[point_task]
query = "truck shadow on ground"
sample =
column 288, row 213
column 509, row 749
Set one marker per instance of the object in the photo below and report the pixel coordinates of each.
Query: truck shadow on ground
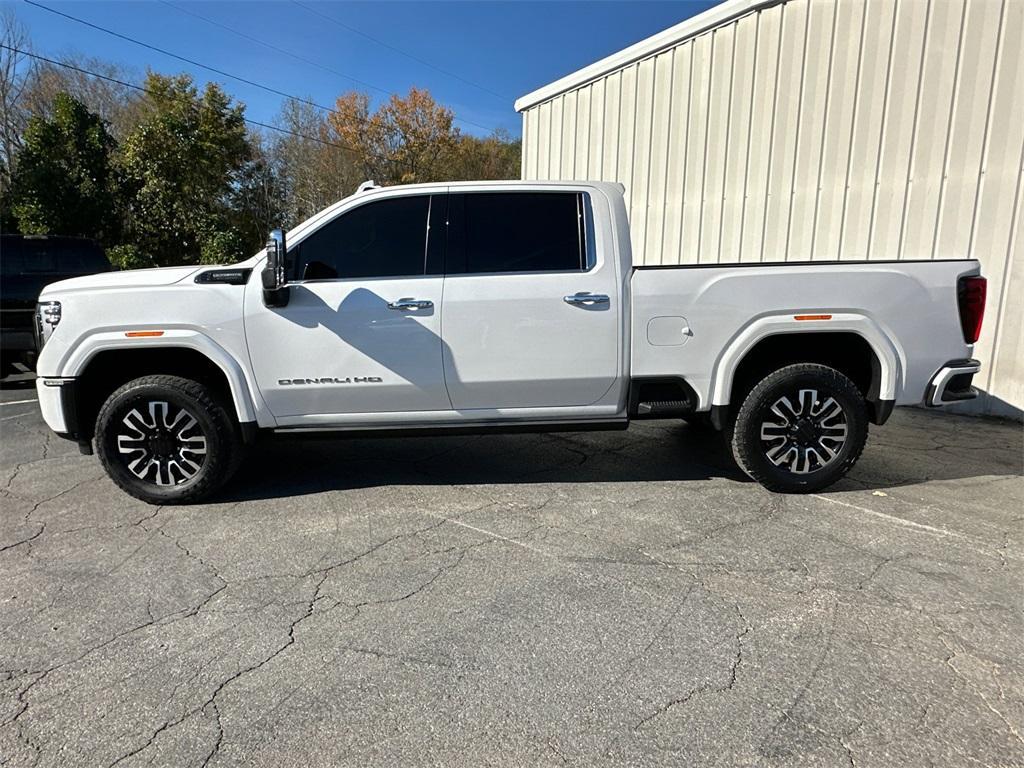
column 917, row 447
column 291, row 466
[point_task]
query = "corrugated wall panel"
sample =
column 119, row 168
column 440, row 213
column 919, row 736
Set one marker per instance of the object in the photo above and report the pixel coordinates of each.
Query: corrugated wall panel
column 941, row 69
column 672, row 205
column 643, row 125
column 612, row 107
column 819, row 129
column 868, row 129
column 785, row 121
column 762, row 121
column 581, row 163
column 596, row 143
column 968, row 130
column 903, row 100
column 696, row 148
column 624, row 151
column 555, row 150
column 567, row 156
column 997, row 209
column 716, row 143
column 810, row 129
column 661, row 138
column 730, row 231
column 837, row 141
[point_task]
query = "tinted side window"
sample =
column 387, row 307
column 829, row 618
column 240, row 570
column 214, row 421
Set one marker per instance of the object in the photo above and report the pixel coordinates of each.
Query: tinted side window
column 12, row 255
column 39, row 257
column 387, row 238
column 516, row 232
column 83, row 257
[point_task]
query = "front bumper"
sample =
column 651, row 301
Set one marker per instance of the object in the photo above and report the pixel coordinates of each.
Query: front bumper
column 952, row 384
column 58, row 402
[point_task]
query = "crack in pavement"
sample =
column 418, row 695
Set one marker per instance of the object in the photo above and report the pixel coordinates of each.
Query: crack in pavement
column 970, row 684
column 309, row 609
column 804, row 687
column 38, row 504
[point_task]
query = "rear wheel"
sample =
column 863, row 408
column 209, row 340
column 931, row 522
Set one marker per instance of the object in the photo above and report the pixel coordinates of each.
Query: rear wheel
column 166, row 440
column 800, row 429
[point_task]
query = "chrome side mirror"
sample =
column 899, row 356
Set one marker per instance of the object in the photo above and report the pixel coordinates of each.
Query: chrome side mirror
column 274, row 275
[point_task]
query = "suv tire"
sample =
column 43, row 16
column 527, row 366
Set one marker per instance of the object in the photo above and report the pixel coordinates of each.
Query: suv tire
column 800, row 429
column 167, row 440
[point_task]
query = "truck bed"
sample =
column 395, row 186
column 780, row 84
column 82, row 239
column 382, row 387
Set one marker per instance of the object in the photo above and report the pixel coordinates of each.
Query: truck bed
column 698, row 321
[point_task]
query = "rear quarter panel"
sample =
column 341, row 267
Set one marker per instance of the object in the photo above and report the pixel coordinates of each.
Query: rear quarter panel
column 907, row 311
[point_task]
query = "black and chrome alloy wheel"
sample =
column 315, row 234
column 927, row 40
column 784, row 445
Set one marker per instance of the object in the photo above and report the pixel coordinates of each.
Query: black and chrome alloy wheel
column 804, row 431
column 800, row 428
column 167, row 439
column 161, row 443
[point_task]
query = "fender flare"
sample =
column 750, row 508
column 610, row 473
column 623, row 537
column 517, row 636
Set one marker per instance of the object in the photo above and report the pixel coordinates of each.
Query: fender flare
column 890, row 357
column 245, row 401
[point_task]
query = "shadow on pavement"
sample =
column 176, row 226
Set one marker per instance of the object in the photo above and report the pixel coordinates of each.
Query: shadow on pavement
column 914, row 447
column 18, row 381
column 290, row 466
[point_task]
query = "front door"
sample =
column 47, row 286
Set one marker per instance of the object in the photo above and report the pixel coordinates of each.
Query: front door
column 361, row 331
column 531, row 310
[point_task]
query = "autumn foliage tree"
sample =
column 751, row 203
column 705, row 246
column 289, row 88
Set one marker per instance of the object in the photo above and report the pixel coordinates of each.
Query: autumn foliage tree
column 408, row 139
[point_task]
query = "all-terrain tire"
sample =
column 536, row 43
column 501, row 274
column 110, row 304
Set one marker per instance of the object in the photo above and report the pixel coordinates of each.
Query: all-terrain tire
column 788, row 460
column 167, row 440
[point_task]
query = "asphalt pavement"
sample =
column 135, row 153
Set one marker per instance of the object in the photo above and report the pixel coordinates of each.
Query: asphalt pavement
column 621, row 598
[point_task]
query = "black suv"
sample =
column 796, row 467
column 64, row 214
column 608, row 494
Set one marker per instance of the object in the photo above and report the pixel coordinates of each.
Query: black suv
column 28, row 263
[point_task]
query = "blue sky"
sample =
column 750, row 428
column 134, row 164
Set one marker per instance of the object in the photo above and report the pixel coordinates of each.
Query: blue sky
column 503, row 49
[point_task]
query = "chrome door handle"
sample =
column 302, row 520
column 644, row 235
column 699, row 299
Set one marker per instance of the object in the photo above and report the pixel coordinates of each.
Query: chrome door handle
column 586, row 299
column 407, row 304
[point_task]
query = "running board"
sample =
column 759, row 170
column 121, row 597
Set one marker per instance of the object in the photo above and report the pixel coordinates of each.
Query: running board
column 661, row 397
column 663, row 409
column 436, row 430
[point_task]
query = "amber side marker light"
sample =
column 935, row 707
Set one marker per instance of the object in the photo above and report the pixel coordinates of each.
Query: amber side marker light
column 142, row 334
column 812, row 317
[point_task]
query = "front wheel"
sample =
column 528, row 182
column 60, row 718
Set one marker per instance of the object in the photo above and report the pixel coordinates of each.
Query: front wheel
column 167, row 440
column 800, row 429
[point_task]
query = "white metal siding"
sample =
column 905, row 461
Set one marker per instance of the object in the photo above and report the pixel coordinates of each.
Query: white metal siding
column 819, row 129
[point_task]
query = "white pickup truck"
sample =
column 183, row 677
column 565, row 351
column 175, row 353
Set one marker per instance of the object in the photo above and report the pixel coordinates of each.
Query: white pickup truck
column 493, row 306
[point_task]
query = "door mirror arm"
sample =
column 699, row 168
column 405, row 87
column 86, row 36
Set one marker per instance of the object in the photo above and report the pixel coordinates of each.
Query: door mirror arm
column 274, row 275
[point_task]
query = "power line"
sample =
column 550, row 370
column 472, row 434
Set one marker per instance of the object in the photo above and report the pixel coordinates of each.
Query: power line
column 399, row 50
column 140, row 88
column 272, row 47
column 220, row 72
column 165, row 52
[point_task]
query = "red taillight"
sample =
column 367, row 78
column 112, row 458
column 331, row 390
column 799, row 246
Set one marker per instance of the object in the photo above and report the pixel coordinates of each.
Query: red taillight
column 970, row 296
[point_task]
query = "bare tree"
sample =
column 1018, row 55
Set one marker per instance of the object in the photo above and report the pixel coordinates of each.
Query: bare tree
column 116, row 104
column 16, row 71
column 312, row 168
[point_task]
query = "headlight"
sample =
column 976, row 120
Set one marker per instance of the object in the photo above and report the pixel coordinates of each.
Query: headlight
column 47, row 318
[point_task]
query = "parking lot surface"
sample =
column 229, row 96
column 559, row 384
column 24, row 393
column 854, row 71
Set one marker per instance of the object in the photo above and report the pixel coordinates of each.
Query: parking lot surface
column 570, row 599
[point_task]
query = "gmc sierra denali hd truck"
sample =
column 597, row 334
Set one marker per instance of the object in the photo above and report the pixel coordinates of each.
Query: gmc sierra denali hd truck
column 493, row 306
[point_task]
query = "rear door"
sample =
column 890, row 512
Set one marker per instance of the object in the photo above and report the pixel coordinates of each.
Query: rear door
column 531, row 309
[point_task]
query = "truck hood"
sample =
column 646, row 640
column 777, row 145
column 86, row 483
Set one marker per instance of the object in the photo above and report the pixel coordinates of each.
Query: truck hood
column 132, row 278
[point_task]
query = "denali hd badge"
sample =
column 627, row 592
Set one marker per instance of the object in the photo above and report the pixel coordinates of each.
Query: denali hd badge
column 333, row 380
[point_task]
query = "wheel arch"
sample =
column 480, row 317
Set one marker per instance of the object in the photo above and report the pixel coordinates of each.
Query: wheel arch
column 104, row 365
column 852, row 344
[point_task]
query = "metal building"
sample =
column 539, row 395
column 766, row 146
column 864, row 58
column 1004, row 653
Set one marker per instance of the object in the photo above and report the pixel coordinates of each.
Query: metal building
column 814, row 129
